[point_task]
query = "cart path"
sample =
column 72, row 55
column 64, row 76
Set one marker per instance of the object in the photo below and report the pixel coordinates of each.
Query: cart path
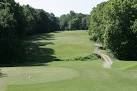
column 107, row 61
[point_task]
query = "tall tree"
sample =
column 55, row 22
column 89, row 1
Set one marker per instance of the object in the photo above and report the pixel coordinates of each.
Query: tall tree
column 74, row 21
column 16, row 23
column 11, row 31
column 114, row 23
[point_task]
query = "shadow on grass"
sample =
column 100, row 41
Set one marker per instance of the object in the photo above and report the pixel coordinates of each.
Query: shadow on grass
column 37, row 54
column 2, row 75
column 45, row 36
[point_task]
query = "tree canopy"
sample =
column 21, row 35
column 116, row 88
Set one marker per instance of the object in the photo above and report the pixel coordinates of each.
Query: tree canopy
column 16, row 23
column 113, row 23
column 74, row 21
column 39, row 21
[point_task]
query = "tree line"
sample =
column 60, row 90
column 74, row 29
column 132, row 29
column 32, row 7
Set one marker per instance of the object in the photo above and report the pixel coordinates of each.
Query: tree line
column 16, row 23
column 74, row 21
column 19, row 22
column 114, row 24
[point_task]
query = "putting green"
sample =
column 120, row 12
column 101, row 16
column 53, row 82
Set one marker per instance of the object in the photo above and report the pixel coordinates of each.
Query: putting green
column 33, row 75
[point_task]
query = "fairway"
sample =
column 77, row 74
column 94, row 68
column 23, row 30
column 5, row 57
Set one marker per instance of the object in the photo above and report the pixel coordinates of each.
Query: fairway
column 66, row 73
column 66, row 45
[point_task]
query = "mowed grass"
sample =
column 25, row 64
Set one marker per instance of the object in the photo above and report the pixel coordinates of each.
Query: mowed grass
column 69, row 75
column 69, row 44
column 72, row 44
column 76, row 76
column 60, row 46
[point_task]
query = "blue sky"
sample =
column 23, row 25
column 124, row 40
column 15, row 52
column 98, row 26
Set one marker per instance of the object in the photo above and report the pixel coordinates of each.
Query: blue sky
column 59, row 7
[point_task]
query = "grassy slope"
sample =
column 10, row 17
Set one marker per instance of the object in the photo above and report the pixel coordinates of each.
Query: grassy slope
column 71, row 75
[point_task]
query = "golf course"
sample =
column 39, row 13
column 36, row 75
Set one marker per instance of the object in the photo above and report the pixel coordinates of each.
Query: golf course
column 73, row 67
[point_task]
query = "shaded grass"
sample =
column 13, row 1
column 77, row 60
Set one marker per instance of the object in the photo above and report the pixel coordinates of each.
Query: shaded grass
column 36, row 55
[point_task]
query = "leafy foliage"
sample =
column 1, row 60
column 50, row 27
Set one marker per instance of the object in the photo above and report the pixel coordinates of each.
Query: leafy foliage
column 97, row 25
column 11, row 31
column 114, row 24
column 16, row 23
column 39, row 21
column 74, row 21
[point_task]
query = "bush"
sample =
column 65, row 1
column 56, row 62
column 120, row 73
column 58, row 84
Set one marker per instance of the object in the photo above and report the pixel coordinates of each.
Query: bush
column 86, row 58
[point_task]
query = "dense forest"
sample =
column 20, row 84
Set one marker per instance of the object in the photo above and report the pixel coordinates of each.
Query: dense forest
column 16, row 23
column 114, row 24
column 74, row 21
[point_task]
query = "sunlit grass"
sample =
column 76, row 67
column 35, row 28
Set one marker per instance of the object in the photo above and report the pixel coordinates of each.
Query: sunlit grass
column 69, row 75
column 89, row 76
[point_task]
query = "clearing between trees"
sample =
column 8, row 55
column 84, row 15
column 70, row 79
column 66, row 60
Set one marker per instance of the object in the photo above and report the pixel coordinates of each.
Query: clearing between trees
column 71, row 67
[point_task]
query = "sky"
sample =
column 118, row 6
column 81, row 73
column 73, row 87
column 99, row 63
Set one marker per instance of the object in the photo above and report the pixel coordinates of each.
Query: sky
column 59, row 7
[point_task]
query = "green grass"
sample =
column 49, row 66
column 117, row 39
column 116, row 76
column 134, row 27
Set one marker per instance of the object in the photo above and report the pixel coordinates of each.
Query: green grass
column 74, row 76
column 69, row 44
column 70, row 75
column 66, row 45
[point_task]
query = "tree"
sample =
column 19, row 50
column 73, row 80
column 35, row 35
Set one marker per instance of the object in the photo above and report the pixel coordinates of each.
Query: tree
column 11, row 33
column 30, row 19
column 116, row 23
column 18, row 22
column 74, row 21
column 39, row 21
column 53, row 23
column 97, row 22
column 85, row 23
column 119, row 36
column 74, row 24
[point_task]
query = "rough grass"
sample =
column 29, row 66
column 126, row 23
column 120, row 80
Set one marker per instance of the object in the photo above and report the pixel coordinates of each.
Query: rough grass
column 81, row 72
